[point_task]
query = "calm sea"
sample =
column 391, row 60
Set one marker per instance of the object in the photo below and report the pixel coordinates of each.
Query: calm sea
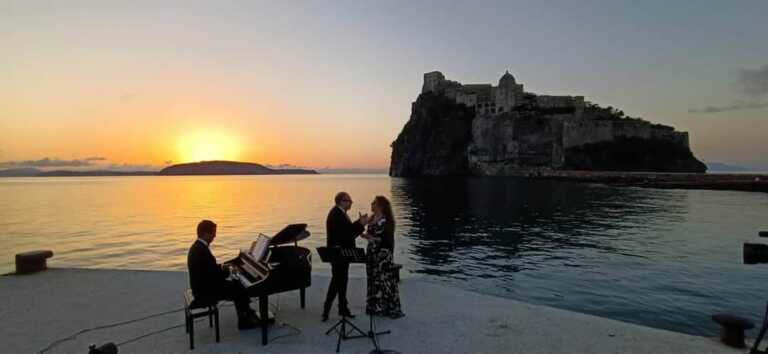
column 661, row 258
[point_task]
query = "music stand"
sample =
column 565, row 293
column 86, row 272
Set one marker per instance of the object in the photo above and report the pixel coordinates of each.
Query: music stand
column 353, row 255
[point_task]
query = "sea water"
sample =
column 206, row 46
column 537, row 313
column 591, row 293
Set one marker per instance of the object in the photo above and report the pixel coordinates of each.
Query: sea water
column 660, row 258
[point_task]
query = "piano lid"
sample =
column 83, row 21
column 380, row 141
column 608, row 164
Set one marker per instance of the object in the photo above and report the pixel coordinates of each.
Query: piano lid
column 291, row 233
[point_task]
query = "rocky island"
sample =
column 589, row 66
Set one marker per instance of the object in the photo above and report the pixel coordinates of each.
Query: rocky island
column 480, row 129
column 227, row 168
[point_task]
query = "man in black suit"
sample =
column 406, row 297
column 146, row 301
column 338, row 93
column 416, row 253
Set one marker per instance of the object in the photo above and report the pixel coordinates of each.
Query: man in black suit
column 209, row 280
column 341, row 232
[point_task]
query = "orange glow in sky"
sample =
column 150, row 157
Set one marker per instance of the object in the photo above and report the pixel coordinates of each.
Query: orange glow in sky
column 318, row 85
column 207, row 146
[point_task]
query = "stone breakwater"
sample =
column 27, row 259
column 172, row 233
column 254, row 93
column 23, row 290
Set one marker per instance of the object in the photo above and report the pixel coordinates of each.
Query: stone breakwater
column 733, row 182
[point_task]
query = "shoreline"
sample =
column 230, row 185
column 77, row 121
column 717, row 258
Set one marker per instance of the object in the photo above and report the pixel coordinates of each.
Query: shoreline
column 53, row 304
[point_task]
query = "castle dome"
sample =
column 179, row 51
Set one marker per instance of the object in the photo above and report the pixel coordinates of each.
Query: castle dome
column 507, row 79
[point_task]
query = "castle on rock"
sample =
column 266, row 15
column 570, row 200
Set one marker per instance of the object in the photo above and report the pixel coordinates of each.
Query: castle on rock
column 508, row 96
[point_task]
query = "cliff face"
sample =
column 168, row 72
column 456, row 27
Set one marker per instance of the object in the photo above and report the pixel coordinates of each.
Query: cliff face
column 434, row 141
column 443, row 137
column 633, row 154
column 507, row 143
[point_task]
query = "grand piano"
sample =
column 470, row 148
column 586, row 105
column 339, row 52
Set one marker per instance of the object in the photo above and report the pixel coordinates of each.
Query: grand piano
column 274, row 265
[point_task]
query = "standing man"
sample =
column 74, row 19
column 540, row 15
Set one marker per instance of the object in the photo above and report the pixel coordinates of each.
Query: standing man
column 341, row 232
column 208, row 279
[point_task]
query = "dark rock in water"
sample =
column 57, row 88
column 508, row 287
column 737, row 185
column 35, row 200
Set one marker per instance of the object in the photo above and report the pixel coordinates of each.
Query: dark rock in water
column 434, row 141
column 457, row 129
column 226, row 168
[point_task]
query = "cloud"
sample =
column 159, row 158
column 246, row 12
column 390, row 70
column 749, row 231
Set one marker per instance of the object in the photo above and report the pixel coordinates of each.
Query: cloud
column 131, row 167
column 284, row 166
column 754, row 82
column 750, row 82
column 45, row 162
column 735, row 106
column 96, row 158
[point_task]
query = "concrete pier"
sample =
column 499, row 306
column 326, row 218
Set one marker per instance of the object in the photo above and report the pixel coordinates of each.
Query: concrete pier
column 40, row 308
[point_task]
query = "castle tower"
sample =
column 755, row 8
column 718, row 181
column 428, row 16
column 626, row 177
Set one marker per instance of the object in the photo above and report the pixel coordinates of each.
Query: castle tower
column 507, row 80
column 507, row 93
column 432, row 81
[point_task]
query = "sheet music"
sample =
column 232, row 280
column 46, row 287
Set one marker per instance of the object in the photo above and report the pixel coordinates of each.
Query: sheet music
column 259, row 247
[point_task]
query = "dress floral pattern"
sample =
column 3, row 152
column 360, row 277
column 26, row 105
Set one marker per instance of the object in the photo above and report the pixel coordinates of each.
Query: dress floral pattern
column 383, row 293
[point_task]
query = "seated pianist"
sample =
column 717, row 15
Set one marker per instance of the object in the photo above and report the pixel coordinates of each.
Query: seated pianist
column 208, row 279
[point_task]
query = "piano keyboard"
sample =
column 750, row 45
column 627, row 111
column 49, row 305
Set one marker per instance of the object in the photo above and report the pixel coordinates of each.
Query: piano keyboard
column 250, row 271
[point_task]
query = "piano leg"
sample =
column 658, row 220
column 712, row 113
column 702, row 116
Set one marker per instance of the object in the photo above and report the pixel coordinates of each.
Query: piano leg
column 264, row 312
column 302, row 296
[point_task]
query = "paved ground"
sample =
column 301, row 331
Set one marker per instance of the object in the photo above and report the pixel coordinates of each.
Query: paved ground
column 41, row 308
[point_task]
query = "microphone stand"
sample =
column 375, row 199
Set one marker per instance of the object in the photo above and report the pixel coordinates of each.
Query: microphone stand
column 341, row 328
column 372, row 335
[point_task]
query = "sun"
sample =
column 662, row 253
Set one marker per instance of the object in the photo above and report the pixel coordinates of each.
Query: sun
column 208, row 146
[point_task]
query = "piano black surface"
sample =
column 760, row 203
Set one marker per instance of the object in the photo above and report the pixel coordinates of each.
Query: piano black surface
column 290, row 268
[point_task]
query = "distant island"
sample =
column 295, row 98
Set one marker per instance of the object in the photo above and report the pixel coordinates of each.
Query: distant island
column 228, row 168
column 34, row 172
column 503, row 130
column 186, row 169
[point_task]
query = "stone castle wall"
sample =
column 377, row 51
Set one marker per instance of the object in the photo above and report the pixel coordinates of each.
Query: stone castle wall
column 581, row 132
column 511, row 143
column 489, row 99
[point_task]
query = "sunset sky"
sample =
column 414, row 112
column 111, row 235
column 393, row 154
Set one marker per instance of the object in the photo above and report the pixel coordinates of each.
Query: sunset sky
column 321, row 84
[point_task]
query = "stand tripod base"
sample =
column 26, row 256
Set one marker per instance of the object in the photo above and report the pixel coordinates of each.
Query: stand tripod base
column 341, row 328
column 372, row 334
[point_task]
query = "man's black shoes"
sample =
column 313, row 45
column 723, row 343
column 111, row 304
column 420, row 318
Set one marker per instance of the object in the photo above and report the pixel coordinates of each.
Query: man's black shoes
column 346, row 313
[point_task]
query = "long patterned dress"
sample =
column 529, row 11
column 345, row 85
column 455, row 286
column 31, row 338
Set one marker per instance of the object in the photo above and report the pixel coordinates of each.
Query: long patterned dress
column 383, row 292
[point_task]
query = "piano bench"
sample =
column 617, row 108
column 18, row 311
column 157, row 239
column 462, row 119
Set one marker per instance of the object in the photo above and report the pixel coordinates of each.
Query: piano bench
column 194, row 310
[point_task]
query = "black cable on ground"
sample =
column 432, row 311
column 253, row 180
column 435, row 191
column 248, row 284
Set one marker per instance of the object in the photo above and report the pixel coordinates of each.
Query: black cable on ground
column 134, row 339
column 295, row 333
column 150, row 334
column 111, row 325
column 117, row 324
